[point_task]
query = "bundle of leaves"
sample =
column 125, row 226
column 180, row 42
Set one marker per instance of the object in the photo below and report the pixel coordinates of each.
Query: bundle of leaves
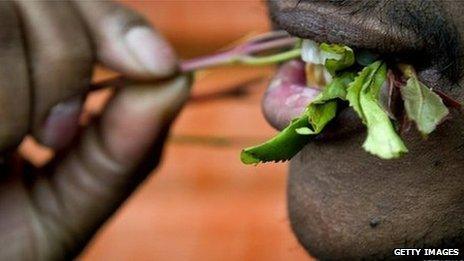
column 359, row 81
column 358, row 84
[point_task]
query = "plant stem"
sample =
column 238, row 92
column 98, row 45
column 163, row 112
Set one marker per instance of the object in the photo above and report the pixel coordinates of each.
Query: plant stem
column 234, row 55
column 272, row 59
column 245, row 53
column 272, row 35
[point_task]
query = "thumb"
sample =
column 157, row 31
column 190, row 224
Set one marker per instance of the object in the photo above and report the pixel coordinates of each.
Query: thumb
column 110, row 159
column 125, row 42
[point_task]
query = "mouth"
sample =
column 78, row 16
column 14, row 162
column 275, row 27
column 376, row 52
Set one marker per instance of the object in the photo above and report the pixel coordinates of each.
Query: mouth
column 293, row 86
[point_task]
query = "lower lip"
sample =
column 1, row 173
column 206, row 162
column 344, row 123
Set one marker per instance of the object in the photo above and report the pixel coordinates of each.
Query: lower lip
column 287, row 96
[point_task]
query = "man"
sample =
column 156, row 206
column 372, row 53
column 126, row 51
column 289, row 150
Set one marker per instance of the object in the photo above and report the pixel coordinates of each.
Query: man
column 343, row 203
column 346, row 204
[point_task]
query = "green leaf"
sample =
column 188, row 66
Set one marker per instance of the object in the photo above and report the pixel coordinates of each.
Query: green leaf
column 270, row 59
column 336, row 89
column 423, row 106
column 337, row 57
column 363, row 95
column 318, row 116
column 323, row 108
column 293, row 138
column 280, row 148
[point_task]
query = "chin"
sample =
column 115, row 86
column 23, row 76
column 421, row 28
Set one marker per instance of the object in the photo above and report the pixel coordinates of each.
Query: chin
column 346, row 204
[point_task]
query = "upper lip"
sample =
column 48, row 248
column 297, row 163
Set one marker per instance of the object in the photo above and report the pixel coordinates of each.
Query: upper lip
column 324, row 22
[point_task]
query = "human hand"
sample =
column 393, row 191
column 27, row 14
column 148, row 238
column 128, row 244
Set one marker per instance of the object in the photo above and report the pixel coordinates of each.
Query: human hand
column 48, row 50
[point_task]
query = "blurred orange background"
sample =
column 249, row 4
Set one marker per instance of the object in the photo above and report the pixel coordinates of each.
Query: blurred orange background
column 203, row 203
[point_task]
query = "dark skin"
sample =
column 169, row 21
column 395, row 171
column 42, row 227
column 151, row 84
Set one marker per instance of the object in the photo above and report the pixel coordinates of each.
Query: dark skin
column 343, row 203
column 48, row 49
column 346, row 204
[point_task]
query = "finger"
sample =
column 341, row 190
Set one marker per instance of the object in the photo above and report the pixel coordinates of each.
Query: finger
column 113, row 156
column 61, row 63
column 14, row 82
column 125, row 42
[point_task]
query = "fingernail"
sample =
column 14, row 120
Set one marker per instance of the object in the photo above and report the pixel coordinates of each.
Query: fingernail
column 61, row 125
column 151, row 51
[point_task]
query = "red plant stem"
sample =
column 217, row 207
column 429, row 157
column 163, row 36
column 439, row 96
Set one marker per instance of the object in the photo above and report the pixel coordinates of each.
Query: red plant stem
column 270, row 45
column 225, row 57
column 266, row 42
column 272, row 35
column 208, row 61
